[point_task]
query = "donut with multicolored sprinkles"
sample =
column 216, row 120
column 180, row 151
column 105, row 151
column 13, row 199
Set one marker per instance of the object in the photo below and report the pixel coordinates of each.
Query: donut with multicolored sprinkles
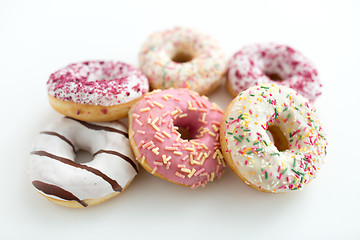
column 157, row 126
column 183, row 58
column 272, row 138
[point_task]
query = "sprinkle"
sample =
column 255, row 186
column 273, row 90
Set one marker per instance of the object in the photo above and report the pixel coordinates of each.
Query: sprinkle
column 158, row 104
column 136, row 115
column 150, row 103
column 174, row 112
column 138, row 122
column 145, row 109
column 155, row 127
column 148, row 144
column 178, row 153
column 212, row 175
column 297, row 172
column 204, row 146
column 171, row 148
column 141, row 132
column 191, row 173
column 159, row 138
column 179, row 175
column 154, row 170
column 156, row 150
column 199, row 171
column 165, row 114
column 166, row 134
column 185, row 170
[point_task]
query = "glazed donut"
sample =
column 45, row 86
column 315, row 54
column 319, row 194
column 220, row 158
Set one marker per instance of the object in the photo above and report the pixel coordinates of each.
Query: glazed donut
column 56, row 175
column 272, row 63
column 299, row 147
column 96, row 90
column 155, row 126
column 182, row 58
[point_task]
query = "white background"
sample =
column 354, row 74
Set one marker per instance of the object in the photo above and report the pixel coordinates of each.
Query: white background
column 39, row 37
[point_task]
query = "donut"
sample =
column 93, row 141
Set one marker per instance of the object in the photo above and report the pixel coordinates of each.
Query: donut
column 272, row 63
column 57, row 176
column 182, row 58
column 296, row 153
column 174, row 134
column 96, row 90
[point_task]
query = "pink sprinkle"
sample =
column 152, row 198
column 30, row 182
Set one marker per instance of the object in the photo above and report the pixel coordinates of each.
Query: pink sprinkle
column 199, row 172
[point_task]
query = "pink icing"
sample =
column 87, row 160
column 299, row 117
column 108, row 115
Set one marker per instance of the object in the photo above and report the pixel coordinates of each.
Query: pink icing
column 250, row 65
column 103, row 83
column 154, row 123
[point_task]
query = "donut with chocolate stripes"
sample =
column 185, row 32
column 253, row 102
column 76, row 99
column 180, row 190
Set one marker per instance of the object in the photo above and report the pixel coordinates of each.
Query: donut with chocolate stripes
column 57, row 176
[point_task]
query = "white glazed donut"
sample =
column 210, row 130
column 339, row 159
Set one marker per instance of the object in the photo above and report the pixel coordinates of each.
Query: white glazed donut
column 182, row 58
column 272, row 63
column 56, row 175
column 299, row 147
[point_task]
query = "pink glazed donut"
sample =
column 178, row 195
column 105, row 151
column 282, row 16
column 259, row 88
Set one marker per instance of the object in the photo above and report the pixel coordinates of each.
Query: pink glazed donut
column 275, row 64
column 158, row 126
column 96, row 90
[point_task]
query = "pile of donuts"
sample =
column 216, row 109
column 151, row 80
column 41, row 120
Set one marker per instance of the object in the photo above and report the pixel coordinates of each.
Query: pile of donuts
column 270, row 134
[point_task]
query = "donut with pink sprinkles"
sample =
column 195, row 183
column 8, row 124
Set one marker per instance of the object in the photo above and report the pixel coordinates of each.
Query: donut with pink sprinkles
column 96, row 90
column 275, row 64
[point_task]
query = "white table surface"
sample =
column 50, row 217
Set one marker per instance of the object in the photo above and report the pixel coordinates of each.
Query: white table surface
column 39, row 37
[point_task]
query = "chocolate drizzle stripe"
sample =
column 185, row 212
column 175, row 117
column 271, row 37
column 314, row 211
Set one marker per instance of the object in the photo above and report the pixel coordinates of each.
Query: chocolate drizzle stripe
column 61, row 137
column 115, row 186
column 57, row 191
column 98, row 127
column 126, row 158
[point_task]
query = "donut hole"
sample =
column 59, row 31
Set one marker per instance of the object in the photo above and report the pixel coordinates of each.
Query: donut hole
column 182, row 57
column 278, row 138
column 83, row 156
column 185, row 133
column 274, row 76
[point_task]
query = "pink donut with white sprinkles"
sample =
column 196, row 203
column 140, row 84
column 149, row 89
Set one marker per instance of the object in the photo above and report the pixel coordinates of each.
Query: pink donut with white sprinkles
column 275, row 64
column 157, row 136
column 96, row 90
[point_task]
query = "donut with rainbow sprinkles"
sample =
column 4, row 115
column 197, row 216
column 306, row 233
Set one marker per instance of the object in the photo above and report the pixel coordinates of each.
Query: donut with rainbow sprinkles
column 272, row 138
column 183, row 58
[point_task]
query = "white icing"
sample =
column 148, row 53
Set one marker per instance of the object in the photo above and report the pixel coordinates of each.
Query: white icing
column 294, row 116
column 80, row 182
column 206, row 67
